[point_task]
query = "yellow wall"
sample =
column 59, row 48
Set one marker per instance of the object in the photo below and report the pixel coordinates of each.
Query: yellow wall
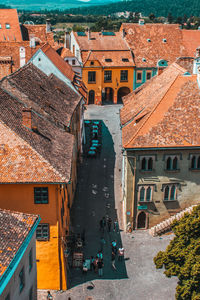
column 20, row 197
column 100, row 84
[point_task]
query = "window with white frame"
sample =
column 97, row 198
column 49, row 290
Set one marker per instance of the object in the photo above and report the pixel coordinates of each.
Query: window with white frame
column 171, row 163
column 170, row 192
column 195, row 162
column 145, row 193
column 147, row 163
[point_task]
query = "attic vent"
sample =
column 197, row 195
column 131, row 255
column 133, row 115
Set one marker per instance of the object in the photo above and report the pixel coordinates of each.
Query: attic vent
column 144, row 59
column 186, row 74
column 91, row 63
column 148, row 40
column 125, row 59
column 164, row 41
column 108, row 59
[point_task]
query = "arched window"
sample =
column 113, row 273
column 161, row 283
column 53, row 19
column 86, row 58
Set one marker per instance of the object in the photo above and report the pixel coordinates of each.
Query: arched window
column 148, row 194
column 173, row 193
column 142, row 194
column 166, row 193
column 150, row 164
column 175, row 163
column 193, row 162
column 169, row 162
column 144, row 163
column 198, row 163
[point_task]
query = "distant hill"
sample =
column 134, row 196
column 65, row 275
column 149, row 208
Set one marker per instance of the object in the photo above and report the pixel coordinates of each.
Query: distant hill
column 37, row 5
column 157, row 7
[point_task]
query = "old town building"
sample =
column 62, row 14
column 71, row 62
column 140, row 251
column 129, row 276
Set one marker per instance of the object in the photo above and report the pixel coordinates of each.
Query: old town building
column 18, row 42
column 161, row 145
column 40, row 140
column 107, row 65
column 71, row 59
column 156, row 46
column 18, row 272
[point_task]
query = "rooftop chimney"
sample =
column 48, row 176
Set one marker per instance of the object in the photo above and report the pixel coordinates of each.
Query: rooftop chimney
column 141, row 22
column 67, row 40
column 48, row 25
column 123, row 33
column 27, row 117
column 89, row 34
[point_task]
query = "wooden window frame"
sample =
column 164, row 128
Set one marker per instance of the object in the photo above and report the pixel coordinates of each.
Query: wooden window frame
column 148, row 72
column 110, row 72
column 138, row 80
column 121, row 75
column 40, row 227
column 38, row 197
column 90, row 81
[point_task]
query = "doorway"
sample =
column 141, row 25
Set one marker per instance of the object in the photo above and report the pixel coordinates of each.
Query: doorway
column 91, row 97
column 141, row 220
column 123, row 91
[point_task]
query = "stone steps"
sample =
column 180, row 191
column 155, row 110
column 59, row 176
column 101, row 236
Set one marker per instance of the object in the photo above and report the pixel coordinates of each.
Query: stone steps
column 166, row 224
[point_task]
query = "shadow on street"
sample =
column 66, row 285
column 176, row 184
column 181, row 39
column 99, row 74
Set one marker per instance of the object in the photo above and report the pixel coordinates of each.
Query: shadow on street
column 94, row 200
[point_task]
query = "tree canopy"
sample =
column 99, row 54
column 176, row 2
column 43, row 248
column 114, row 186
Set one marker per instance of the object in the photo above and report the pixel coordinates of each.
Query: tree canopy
column 182, row 256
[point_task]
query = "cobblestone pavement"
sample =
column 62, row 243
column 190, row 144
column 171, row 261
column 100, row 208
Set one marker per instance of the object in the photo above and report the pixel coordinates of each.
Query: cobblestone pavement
column 99, row 194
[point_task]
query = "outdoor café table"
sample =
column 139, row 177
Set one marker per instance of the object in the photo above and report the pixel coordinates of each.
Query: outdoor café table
column 96, row 122
column 87, row 122
column 95, row 127
column 91, row 153
column 93, row 148
column 95, row 141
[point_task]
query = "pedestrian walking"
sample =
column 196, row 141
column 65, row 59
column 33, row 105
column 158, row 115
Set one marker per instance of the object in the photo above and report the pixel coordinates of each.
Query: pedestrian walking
column 116, row 226
column 100, row 255
column 49, row 296
column 92, row 267
column 100, row 267
column 113, row 260
column 109, row 224
column 101, row 228
column 120, row 254
column 114, row 246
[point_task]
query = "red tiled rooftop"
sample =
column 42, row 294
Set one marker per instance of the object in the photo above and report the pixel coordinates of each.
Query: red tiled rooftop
column 154, row 42
column 14, row 229
column 12, row 34
column 191, row 41
column 165, row 113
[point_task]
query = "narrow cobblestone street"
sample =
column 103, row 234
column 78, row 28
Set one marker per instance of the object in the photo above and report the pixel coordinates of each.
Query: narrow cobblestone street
column 99, row 194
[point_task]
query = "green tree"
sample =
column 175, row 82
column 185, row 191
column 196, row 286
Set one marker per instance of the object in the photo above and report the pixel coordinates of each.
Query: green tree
column 152, row 17
column 170, row 18
column 182, row 256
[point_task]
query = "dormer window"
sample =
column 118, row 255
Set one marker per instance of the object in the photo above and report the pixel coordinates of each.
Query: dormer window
column 148, row 40
column 164, row 41
column 144, row 59
column 108, row 59
column 125, row 59
column 91, row 63
column 7, row 26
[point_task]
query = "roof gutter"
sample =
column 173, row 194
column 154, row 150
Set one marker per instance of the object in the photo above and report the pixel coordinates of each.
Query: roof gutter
column 4, row 280
column 162, row 148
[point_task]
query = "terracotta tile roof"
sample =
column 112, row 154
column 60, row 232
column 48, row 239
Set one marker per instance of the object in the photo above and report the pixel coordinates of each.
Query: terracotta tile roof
column 64, row 67
column 37, row 31
column 186, row 63
column 101, row 42
column 13, row 33
column 150, row 106
column 65, row 52
column 14, row 229
column 118, row 58
column 153, row 42
column 40, row 154
column 191, row 40
column 49, row 96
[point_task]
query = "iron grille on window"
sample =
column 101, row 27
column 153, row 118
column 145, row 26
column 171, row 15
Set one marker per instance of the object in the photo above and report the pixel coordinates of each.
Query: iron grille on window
column 41, row 195
column 107, row 76
column 42, row 232
column 124, row 75
column 91, row 77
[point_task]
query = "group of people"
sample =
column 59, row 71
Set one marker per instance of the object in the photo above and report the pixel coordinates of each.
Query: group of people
column 107, row 222
column 95, row 264
column 116, row 252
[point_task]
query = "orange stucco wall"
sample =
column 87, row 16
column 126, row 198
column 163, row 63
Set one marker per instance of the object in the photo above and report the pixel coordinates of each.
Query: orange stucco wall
column 51, row 270
column 116, row 84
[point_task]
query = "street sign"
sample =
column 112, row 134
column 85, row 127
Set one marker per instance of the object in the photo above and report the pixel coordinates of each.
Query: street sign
column 142, row 207
column 128, row 213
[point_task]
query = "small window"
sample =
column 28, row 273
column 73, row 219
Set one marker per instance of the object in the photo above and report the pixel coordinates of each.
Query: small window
column 142, row 194
column 91, row 77
column 21, row 280
column 30, row 259
column 145, row 193
column 73, row 62
column 108, row 59
column 195, row 162
column 42, row 232
column 148, row 75
column 147, row 164
column 139, row 76
column 107, row 76
column 125, row 59
column 39, row 59
column 7, row 26
column 124, row 75
column 41, row 195
column 31, row 294
column 170, row 192
column 148, row 194
column 91, row 63
column 169, row 163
